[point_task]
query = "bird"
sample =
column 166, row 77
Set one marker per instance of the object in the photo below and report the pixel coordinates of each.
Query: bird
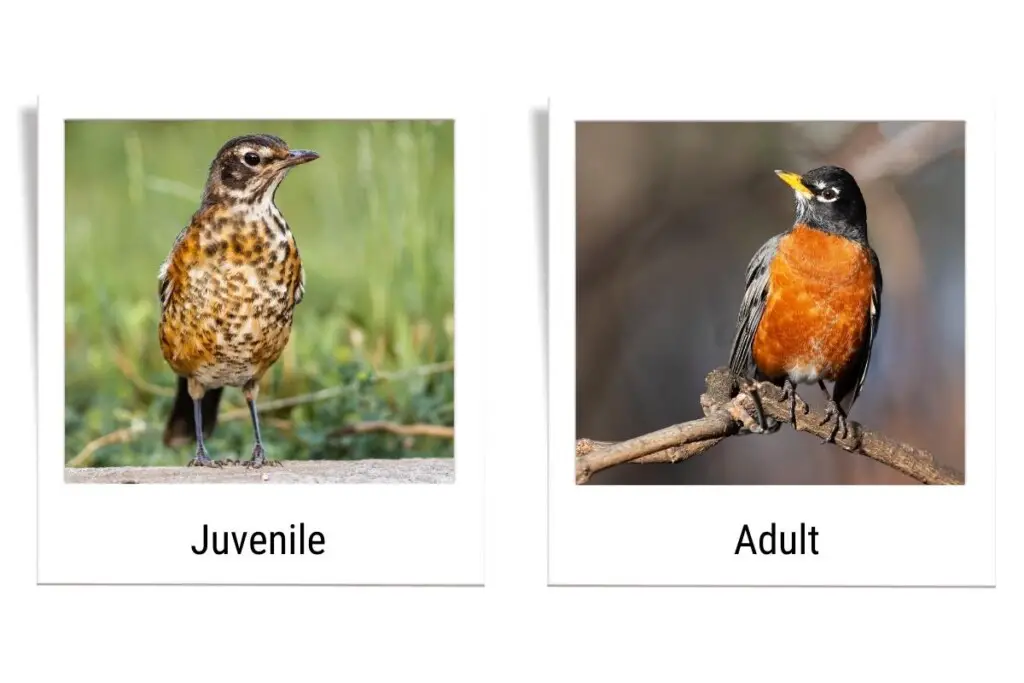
column 228, row 290
column 813, row 300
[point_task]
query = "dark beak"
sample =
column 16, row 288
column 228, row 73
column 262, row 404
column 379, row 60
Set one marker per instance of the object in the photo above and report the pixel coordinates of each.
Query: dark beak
column 300, row 156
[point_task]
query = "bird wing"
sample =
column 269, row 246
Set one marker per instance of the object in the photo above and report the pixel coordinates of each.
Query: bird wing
column 164, row 285
column 300, row 289
column 844, row 394
column 741, row 360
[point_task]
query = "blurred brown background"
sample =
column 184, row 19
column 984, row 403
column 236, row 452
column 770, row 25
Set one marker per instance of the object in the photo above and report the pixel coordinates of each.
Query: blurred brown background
column 669, row 215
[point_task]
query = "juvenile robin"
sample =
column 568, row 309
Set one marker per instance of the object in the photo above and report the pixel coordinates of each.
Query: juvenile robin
column 813, row 299
column 228, row 289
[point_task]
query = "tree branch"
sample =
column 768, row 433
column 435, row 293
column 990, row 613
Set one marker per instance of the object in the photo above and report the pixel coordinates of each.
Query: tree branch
column 909, row 150
column 438, row 431
column 133, row 376
column 727, row 410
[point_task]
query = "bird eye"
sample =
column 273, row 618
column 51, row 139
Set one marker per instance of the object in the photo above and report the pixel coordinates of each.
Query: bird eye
column 829, row 194
column 252, row 158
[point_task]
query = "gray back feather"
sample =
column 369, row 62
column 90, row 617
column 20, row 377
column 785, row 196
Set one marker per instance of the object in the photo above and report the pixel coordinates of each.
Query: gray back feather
column 864, row 361
column 741, row 359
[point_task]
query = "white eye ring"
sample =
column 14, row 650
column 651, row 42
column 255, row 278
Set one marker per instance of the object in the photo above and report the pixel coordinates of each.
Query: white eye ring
column 829, row 200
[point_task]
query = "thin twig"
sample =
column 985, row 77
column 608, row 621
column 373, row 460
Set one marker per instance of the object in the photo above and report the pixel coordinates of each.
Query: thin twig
column 439, row 431
column 334, row 392
column 907, row 151
column 133, row 376
column 279, row 423
column 418, row 371
column 124, row 435
column 727, row 411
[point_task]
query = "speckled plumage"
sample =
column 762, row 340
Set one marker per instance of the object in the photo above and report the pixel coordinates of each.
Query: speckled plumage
column 230, row 284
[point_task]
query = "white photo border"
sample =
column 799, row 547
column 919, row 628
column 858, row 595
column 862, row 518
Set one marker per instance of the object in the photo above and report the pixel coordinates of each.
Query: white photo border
column 376, row 534
column 686, row 535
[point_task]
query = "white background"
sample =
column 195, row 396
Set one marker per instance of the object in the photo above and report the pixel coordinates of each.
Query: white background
column 867, row 535
column 374, row 533
column 513, row 57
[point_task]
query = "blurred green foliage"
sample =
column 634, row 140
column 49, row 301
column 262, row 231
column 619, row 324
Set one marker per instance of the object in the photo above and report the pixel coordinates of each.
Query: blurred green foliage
column 374, row 221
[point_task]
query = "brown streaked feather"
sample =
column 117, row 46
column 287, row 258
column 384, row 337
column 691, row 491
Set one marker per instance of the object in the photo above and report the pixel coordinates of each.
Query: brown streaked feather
column 230, row 283
column 228, row 310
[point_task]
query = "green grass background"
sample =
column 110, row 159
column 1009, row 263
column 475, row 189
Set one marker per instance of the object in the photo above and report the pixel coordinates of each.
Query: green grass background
column 374, row 222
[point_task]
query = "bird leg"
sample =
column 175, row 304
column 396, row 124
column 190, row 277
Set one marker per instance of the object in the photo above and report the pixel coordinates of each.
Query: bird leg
column 833, row 409
column 259, row 456
column 202, row 458
column 750, row 387
column 789, row 393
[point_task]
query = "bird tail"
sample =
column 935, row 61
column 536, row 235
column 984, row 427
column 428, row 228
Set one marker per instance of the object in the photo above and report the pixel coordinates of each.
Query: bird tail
column 181, row 426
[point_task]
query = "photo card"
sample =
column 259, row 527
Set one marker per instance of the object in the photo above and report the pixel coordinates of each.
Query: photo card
column 721, row 272
column 233, row 298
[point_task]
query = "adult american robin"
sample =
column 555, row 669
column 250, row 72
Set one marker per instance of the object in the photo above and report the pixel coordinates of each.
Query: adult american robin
column 813, row 299
column 228, row 289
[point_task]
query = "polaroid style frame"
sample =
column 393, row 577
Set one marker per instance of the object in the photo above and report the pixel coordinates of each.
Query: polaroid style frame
column 687, row 535
column 376, row 534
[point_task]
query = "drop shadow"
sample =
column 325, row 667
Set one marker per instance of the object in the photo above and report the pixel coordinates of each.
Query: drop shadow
column 541, row 149
column 30, row 167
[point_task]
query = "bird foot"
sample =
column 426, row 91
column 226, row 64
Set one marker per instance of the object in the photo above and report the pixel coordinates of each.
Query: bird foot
column 259, row 459
column 833, row 410
column 789, row 394
column 202, row 459
column 760, row 424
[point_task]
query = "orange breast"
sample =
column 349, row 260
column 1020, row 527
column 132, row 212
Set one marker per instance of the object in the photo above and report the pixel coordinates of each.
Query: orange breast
column 817, row 311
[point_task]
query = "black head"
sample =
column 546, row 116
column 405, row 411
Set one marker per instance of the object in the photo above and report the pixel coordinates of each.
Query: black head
column 248, row 169
column 829, row 199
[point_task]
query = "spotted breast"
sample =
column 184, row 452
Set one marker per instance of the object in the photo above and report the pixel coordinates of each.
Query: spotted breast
column 234, row 281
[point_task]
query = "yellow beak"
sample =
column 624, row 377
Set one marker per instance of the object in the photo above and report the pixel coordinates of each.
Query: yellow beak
column 793, row 180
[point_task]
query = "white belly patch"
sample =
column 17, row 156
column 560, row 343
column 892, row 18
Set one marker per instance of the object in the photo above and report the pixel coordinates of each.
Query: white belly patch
column 804, row 374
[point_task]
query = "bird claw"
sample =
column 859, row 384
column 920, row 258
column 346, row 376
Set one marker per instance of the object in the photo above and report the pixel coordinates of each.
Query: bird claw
column 748, row 421
column 833, row 410
column 259, row 459
column 759, row 424
column 202, row 459
column 789, row 394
